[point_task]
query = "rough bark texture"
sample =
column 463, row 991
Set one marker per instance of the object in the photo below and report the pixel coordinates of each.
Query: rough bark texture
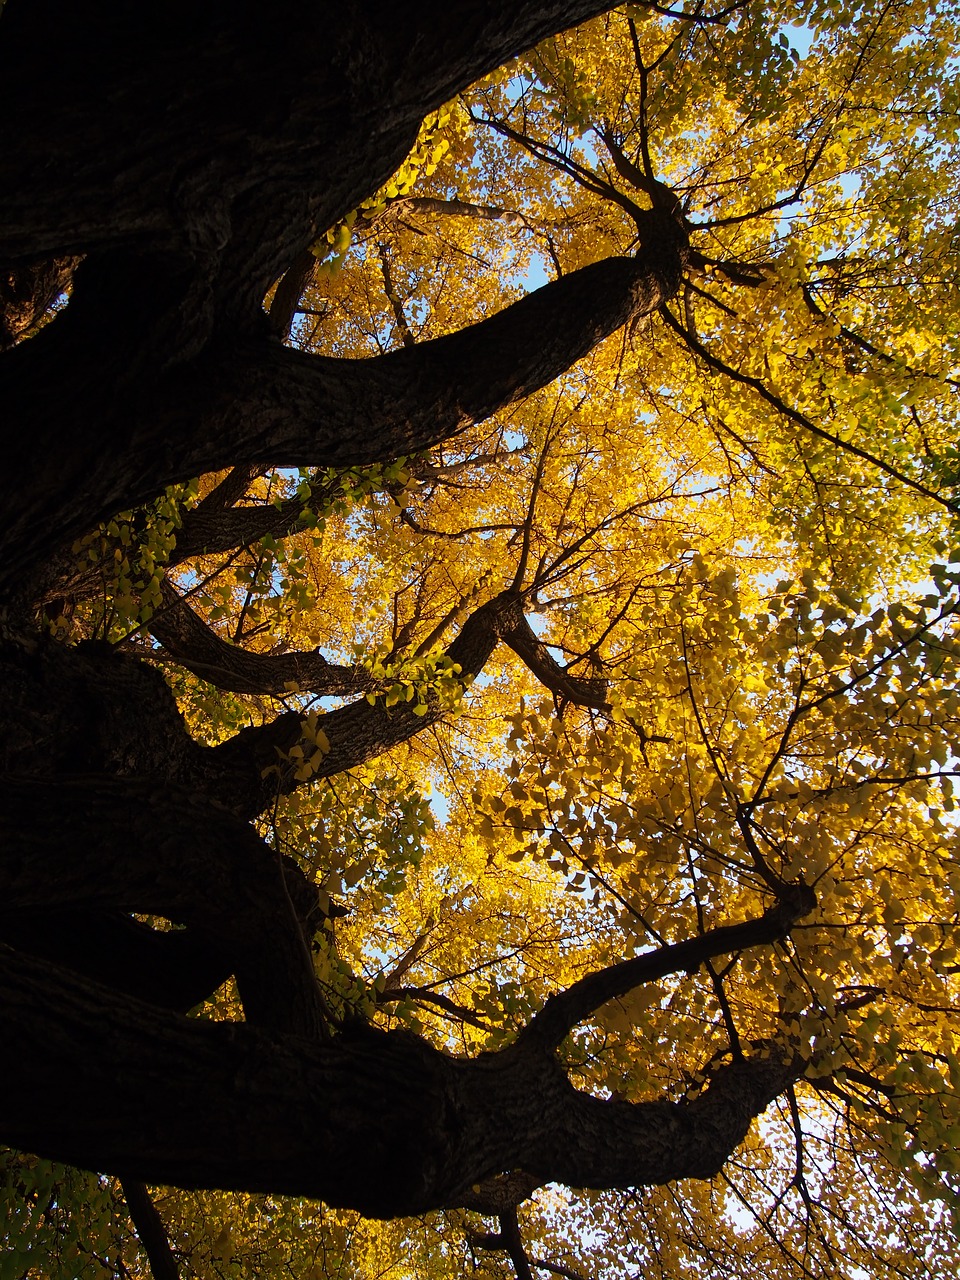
column 188, row 639
column 377, row 1121
column 191, row 154
column 150, row 1229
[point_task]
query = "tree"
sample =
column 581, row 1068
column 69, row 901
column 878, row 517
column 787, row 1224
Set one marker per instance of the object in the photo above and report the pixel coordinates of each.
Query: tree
column 316, row 504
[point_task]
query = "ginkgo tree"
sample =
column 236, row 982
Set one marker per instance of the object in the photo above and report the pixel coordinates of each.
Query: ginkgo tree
column 480, row 645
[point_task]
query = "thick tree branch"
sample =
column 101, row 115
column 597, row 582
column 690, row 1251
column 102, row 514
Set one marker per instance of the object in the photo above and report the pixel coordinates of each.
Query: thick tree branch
column 358, row 89
column 290, row 408
column 564, row 1010
column 256, row 402
column 176, row 968
column 513, row 1243
column 147, row 847
column 189, row 640
column 209, row 531
column 150, row 1229
column 252, row 765
column 289, row 291
column 378, row 1122
column 582, row 691
column 214, row 527
column 247, row 772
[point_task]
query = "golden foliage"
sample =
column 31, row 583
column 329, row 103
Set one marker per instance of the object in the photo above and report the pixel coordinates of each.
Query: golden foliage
column 742, row 516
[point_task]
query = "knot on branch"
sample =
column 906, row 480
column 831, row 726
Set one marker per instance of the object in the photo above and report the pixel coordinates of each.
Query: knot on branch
column 503, row 618
column 794, row 901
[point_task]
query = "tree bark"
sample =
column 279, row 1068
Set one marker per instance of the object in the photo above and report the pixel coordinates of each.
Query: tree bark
column 27, row 293
column 193, row 129
column 195, row 646
column 566, row 1009
column 380, row 1122
column 138, row 421
column 249, row 770
column 138, row 845
column 150, row 1229
column 176, row 968
column 193, row 154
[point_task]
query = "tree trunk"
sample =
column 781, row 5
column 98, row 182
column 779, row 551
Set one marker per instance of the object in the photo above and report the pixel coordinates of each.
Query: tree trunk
column 192, row 154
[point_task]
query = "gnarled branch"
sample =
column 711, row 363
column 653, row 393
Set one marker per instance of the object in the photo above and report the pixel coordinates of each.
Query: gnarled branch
column 188, row 639
column 379, row 1122
column 248, row 770
column 564, row 1010
column 254, row 401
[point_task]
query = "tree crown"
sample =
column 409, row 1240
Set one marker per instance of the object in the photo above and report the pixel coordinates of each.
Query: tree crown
column 562, row 618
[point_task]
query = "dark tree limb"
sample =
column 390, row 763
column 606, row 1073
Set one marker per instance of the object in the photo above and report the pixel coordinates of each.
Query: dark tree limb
column 253, row 401
column 150, row 1229
column 289, row 408
column 176, row 969
column 227, row 492
column 289, row 291
column 214, row 527
column 563, row 1011
column 582, row 691
column 247, row 771
column 251, row 768
column 143, row 846
column 498, row 1195
column 213, row 530
column 326, row 115
column 379, row 1122
column 189, row 640
column 506, row 1240
column 513, row 1242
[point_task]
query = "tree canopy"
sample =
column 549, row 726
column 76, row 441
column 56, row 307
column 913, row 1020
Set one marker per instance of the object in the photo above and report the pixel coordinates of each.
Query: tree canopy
column 479, row 644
